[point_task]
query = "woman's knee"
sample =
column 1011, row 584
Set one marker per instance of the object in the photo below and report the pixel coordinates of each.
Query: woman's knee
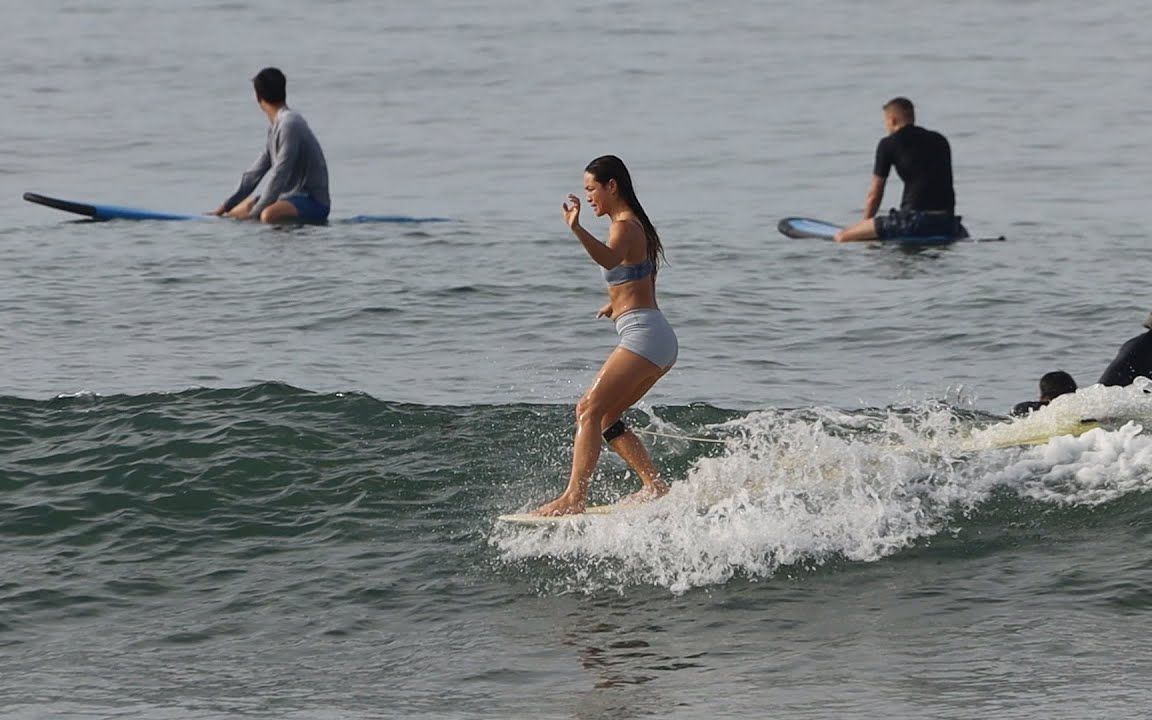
column 591, row 411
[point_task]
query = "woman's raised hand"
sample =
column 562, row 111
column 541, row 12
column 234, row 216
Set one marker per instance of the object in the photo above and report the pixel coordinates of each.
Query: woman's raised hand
column 572, row 211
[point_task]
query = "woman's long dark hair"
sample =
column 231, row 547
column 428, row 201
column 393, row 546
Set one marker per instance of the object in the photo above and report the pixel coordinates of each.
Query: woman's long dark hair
column 610, row 167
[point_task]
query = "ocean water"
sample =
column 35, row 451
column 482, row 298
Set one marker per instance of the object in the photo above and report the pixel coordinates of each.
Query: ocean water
column 253, row 472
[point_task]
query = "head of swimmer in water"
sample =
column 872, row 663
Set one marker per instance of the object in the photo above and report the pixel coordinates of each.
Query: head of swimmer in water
column 608, row 188
column 271, row 89
column 898, row 112
column 1055, row 384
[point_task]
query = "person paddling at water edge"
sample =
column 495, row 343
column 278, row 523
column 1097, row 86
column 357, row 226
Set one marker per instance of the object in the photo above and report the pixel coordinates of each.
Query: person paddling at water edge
column 1052, row 386
column 1133, row 360
column 297, row 189
column 647, row 347
column 923, row 160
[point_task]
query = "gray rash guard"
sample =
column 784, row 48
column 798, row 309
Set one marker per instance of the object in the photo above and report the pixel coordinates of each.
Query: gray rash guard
column 297, row 163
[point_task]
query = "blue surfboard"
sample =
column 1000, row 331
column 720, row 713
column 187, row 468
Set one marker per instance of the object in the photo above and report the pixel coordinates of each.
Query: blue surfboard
column 94, row 211
column 801, row 228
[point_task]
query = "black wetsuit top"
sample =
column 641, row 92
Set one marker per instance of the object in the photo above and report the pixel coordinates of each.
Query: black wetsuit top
column 923, row 160
column 1134, row 360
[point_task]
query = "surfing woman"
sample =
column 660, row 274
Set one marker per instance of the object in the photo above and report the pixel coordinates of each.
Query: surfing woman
column 647, row 347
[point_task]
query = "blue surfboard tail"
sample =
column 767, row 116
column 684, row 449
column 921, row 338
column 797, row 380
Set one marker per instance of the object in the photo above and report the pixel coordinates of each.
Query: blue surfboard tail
column 65, row 205
column 804, row 228
column 94, row 211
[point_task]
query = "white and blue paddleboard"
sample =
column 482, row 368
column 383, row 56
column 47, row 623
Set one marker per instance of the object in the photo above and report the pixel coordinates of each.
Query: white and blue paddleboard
column 94, row 211
column 808, row 228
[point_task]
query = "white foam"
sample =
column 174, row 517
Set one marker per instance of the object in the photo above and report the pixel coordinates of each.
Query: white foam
column 799, row 488
column 1092, row 469
column 84, row 394
column 1111, row 405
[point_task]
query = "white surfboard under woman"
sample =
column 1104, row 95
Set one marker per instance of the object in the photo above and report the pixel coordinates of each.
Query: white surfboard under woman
column 647, row 348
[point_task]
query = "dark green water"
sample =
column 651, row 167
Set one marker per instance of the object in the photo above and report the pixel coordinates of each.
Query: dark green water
column 274, row 552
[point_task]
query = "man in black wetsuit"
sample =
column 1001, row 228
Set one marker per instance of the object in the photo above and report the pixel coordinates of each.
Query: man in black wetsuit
column 1134, row 360
column 1052, row 386
column 923, row 160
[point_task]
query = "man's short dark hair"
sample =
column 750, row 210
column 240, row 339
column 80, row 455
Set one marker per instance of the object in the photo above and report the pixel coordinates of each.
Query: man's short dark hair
column 1055, row 384
column 271, row 86
column 903, row 107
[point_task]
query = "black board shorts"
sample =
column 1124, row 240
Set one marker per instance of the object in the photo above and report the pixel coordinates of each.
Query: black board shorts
column 918, row 223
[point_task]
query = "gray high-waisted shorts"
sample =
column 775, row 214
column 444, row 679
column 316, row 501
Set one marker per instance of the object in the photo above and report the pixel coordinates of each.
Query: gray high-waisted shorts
column 647, row 333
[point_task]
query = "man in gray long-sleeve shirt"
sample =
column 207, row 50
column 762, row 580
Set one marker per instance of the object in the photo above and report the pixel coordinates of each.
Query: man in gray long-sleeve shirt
column 297, row 189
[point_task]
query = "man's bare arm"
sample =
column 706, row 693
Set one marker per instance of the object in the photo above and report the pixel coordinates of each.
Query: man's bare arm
column 875, row 197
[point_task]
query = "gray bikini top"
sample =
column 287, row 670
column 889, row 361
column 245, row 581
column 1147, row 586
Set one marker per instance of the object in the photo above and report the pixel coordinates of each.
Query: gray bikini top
column 628, row 273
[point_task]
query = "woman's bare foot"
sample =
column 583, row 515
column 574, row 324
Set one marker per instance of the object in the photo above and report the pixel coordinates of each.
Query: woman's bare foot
column 562, row 505
column 648, row 493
